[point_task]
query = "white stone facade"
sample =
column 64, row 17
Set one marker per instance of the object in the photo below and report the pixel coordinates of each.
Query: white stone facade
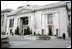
column 4, row 14
column 38, row 19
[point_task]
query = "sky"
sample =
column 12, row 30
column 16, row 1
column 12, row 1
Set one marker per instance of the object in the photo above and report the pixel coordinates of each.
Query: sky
column 15, row 4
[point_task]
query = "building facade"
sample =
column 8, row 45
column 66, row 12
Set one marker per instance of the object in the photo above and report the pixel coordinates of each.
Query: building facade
column 4, row 13
column 48, row 19
column 69, row 18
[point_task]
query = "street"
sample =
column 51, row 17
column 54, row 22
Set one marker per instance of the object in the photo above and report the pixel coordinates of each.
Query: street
column 21, row 42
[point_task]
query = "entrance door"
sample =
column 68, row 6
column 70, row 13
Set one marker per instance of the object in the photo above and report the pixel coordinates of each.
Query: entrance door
column 24, row 31
column 50, row 30
column 24, row 24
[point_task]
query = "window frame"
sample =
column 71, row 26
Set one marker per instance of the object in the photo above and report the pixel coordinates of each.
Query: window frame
column 11, row 22
column 50, row 18
column 2, row 16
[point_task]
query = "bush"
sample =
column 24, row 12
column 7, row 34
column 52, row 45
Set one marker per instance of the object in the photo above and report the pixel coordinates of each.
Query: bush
column 31, row 32
column 17, row 31
column 27, row 31
column 39, row 34
column 34, row 33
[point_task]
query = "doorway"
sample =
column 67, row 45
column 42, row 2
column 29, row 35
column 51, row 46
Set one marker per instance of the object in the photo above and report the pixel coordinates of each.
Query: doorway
column 24, row 31
column 10, row 31
column 23, row 24
column 50, row 30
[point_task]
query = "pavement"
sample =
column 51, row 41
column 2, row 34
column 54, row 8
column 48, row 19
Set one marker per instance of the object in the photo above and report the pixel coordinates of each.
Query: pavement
column 21, row 42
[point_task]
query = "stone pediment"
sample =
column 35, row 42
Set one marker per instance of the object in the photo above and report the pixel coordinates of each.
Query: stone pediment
column 22, row 10
column 30, row 8
column 6, row 10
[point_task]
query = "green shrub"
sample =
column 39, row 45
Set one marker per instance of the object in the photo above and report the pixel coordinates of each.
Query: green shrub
column 34, row 33
column 31, row 32
column 17, row 31
column 38, row 34
column 27, row 31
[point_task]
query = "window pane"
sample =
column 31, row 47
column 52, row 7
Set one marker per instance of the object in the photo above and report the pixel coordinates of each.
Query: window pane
column 50, row 19
column 25, row 21
column 11, row 22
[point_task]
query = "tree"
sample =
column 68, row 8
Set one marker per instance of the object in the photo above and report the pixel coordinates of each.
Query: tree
column 38, row 34
column 34, row 33
column 28, row 31
column 17, row 31
column 31, row 32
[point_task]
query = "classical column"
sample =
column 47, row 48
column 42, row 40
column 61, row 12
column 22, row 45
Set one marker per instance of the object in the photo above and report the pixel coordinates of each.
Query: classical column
column 34, row 21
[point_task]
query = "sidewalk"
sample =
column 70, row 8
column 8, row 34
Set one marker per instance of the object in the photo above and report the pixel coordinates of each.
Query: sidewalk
column 56, row 43
column 34, row 37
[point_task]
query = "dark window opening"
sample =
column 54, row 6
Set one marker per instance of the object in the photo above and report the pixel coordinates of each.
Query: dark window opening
column 24, row 20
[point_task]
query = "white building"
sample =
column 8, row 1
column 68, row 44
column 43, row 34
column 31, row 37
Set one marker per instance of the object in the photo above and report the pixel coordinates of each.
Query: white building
column 50, row 19
column 69, row 17
column 4, row 13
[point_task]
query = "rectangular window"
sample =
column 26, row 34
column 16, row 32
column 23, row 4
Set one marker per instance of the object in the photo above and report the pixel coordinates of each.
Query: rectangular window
column 50, row 18
column 25, row 20
column 11, row 23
